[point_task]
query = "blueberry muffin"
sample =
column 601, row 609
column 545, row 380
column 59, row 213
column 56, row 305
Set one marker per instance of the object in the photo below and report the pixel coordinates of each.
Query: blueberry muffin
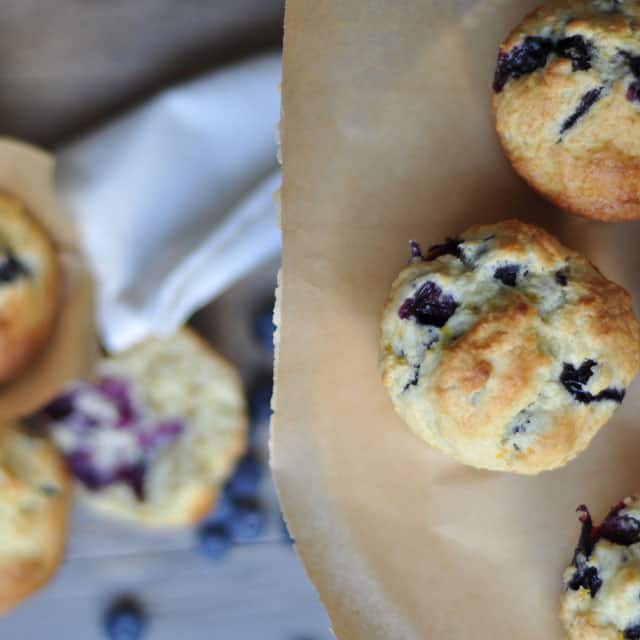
column 506, row 350
column 566, row 97
column 155, row 436
column 601, row 598
column 29, row 287
column 35, row 501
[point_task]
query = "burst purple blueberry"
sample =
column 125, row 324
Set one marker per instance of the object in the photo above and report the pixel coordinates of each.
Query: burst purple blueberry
column 450, row 247
column 618, row 528
column 574, row 381
column 152, row 435
column 507, row 274
column 523, row 59
column 578, row 50
column 429, row 306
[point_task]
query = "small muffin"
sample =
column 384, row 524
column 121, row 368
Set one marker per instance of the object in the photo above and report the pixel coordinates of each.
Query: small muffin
column 29, row 287
column 601, row 599
column 35, row 501
column 506, row 350
column 566, row 97
column 154, row 437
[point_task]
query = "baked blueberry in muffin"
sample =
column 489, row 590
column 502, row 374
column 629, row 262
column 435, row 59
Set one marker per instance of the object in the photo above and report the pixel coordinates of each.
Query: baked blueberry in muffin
column 505, row 349
column 30, row 281
column 601, row 598
column 157, row 434
column 566, row 97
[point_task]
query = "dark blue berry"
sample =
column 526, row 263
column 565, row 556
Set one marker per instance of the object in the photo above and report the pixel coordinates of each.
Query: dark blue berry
column 574, row 381
column 60, row 408
column 619, row 528
column 633, row 91
column 561, row 277
column 508, row 274
column 214, row 540
column 223, row 510
column 248, row 520
column 263, row 326
column 585, row 576
column 578, row 50
column 632, row 633
column 586, row 102
column 416, row 252
column 526, row 58
column 430, row 306
column 451, row 247
column 11, row 268
column 246, row 477
column 125, row 620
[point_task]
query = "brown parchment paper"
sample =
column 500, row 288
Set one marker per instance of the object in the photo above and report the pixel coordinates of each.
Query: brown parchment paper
column 71, row 351
column 387, row 135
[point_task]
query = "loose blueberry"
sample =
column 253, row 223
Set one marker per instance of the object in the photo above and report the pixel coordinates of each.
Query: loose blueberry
column 561, row 278
column 430, row 306
column 451, row 247
column 586, row 102
column 526, row 58
column 574, row 380
column 223, row 509
column 11, row 268
column 633, row 91
column 263, row 327
column 632, row 633
column 578, row 50
column 125, row 620
column 507, row 274
column 246, row 477
column 214, row 540
column 248, row 520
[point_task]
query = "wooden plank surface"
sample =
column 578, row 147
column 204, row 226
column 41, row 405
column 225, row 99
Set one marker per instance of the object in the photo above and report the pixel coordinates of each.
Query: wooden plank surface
column 65, row 66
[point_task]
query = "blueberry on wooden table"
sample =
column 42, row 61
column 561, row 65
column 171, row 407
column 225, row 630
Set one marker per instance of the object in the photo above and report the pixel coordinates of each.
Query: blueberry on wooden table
column 248, row 520
column 246, row 477
column 125, row 620
column 214, row 540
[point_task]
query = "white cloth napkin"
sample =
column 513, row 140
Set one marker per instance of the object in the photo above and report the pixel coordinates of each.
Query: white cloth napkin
column 174, row 200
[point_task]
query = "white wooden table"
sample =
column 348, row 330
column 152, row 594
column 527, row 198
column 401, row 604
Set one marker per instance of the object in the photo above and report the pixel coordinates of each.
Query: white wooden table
column 258, row 591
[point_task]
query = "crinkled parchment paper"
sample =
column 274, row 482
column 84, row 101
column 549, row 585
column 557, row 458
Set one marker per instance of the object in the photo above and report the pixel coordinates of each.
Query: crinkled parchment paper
column 387, row 136
column 27, row 172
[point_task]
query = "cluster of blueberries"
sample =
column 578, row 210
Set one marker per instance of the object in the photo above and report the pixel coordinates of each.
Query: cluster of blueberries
column 239, row 516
